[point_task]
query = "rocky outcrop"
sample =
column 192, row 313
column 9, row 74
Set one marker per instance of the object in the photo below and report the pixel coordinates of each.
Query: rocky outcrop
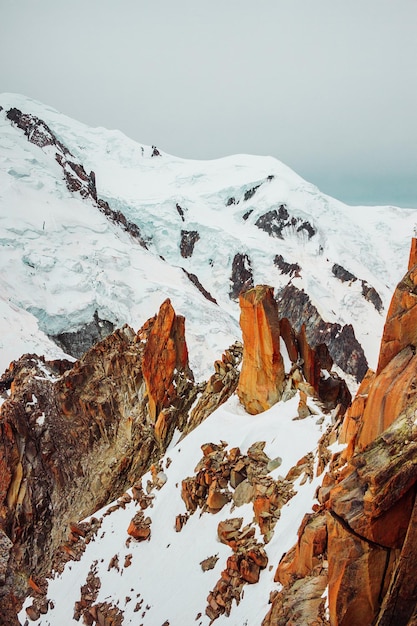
column 368, row 292
column 188, row 240
column 77, row 342
column 180, row 211
column 400, row 328
column 342, row 274
column 194, row 279
column 371, row 294
column 242, row 277
column 262, row 377
column 361, row 540
column 412, row 259
column 74, row 436
column 165, row 361
column 293, row 269
column 343, row 347
column 276, row 221
column 249, row 193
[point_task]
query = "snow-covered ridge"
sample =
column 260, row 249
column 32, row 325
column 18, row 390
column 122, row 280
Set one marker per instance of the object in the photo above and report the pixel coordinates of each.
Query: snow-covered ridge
column 62, row 260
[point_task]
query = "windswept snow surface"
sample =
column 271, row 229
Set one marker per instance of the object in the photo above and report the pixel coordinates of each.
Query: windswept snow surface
column 61, row 259
column 165, row 572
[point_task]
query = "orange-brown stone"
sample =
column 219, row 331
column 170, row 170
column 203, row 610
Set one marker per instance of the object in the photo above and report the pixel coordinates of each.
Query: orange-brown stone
column 312, row 543
column 262, row 376
column 412, row 260
column 400, row 328
column 390, row 393
column 356, row 574
column 353, row 417
column 165, row 352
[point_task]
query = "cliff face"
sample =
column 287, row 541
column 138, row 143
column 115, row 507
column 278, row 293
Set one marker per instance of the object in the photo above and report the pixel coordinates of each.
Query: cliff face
column 345, row 350
column 262, row 376
column 361, row 540
column 74, row 436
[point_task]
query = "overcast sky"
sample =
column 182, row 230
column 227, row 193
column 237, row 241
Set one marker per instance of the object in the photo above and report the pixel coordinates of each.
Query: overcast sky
column 327, row 86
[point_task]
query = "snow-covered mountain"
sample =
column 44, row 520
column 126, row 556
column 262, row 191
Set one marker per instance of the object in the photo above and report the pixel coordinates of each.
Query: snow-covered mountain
column 225, row 222
column 95, row 228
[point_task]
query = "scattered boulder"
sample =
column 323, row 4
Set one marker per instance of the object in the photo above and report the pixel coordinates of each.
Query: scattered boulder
column 140, row 527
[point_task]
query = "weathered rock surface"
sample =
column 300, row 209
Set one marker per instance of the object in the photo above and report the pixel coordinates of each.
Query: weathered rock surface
column 262, row 377
column 165, row 356
column 365, row 527
column 242, row 277
column 343, row 347
column 412, row 259
column 74, row 436
column 400, row 328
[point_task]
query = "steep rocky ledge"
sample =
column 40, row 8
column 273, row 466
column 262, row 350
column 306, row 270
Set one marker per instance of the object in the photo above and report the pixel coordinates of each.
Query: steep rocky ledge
column 360, row 543
column 73, row 437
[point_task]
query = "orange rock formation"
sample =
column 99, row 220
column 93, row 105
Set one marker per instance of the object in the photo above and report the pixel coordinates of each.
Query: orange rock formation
column 165, row 354
column 362, row 539
column 262, row 376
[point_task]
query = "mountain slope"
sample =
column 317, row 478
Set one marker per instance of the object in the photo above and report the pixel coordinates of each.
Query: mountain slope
column 96, row 228
column 221, row 221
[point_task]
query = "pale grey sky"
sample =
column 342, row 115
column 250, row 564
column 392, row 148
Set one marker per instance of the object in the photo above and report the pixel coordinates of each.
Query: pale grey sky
column 327, row 86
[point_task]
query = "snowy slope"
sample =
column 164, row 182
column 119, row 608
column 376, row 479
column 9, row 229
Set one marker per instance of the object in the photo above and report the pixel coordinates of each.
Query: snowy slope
column 61, row 259
column 165, row 572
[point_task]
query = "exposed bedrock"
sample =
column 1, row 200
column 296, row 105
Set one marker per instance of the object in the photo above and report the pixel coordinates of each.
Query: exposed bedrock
column 363, row 536
column 74, row 436
column 341, row 342
column 262, row 377
column 241, row 278
column 77, row 342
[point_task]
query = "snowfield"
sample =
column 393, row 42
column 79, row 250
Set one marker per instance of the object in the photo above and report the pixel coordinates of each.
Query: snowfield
column 61, row 259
